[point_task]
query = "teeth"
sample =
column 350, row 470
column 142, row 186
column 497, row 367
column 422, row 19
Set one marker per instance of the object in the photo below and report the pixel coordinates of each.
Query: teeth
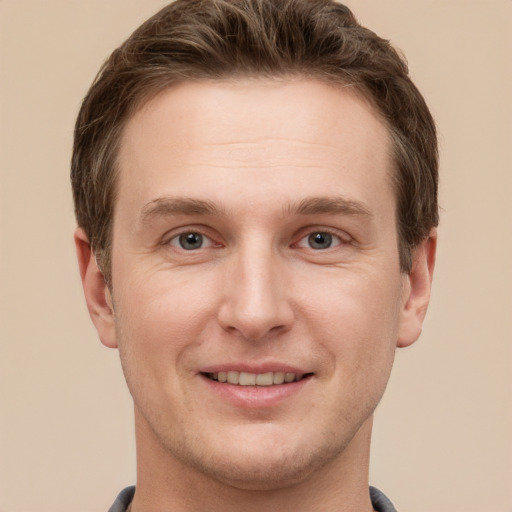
column 264, row 379
column 233, row 377
column 247, row 379
column 278, row 377
column 255, row 379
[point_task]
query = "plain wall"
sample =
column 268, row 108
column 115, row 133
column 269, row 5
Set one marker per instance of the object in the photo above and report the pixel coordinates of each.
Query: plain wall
column 443, row 434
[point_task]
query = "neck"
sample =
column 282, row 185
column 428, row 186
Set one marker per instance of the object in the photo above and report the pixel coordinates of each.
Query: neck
column 166, row 483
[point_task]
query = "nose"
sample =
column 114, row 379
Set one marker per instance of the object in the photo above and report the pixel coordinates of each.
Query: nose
column 256, row 303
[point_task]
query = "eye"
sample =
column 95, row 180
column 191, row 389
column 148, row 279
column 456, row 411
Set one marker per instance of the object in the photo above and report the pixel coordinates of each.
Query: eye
column 320, row 240
column 191, row 241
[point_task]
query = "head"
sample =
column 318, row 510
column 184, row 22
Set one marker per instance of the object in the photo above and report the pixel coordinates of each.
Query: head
column 197, row 40
column 257, row 182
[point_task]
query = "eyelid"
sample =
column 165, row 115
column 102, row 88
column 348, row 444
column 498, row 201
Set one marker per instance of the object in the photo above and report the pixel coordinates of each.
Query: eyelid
column 175, row 240
column 342, row 236
column 200, row 230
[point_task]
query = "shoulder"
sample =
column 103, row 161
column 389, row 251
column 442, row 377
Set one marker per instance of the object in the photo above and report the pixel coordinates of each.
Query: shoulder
column 123, row 500
column 380, row 501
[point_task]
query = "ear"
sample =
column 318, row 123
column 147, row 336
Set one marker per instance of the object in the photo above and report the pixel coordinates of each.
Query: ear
column 416, row 289
column 97, row 294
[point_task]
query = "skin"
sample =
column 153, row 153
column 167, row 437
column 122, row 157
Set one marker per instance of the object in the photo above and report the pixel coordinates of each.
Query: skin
column 255, row 167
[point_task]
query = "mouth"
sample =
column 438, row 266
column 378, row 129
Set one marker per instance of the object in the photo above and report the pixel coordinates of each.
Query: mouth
column 256, row 379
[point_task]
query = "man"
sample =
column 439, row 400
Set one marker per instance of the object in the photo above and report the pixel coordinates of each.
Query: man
column 255, row 186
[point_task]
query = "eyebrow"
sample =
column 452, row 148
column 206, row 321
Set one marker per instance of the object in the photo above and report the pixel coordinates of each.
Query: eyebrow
column 166, row 206
column 330, row 205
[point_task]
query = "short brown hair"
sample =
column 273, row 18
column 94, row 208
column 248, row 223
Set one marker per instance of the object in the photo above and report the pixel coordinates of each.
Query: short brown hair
column 192, row 40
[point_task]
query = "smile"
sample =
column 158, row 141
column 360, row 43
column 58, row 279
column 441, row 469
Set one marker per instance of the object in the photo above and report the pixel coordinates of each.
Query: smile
column 256, row 379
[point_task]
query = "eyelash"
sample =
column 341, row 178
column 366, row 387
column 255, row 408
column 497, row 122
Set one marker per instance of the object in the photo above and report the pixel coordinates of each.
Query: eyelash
column 177, row 239
column 331, row 238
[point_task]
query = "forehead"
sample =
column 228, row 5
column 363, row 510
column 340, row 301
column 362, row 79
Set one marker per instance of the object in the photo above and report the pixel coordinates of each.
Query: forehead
column 200, row 131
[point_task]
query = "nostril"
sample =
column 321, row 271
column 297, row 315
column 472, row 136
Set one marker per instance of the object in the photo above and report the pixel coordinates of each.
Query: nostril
column 253, row 309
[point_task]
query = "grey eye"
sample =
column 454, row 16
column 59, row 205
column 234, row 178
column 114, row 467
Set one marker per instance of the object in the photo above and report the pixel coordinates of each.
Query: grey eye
column 190, row 241
column 320, row 240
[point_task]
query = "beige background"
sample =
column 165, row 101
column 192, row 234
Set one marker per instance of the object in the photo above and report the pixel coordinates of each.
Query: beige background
column 444, row 430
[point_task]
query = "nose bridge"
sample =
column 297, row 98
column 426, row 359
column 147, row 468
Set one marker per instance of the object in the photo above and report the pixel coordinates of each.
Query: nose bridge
column 256, row 301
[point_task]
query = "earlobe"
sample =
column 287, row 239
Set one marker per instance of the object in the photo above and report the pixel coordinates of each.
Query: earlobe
column 417, row 291
column 97, row 294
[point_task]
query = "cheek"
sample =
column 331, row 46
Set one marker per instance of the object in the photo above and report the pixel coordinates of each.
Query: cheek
column 354, row 317
column 164, row 299
column 362, row 298
column 159, row 321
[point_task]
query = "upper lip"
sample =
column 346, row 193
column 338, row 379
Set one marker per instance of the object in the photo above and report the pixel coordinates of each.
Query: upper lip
column 253, row 368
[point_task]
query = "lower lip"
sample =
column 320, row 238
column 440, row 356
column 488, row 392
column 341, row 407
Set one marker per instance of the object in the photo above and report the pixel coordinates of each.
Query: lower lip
column 254, row 397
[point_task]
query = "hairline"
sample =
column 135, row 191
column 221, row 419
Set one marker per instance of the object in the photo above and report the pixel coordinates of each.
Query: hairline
column 151, row 92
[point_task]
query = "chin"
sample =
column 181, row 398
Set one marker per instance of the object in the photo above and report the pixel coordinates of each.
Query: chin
column 264, row 474
column 261, row 463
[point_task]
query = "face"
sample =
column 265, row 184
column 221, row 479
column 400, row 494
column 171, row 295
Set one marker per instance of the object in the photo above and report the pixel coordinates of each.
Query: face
column 257, row 296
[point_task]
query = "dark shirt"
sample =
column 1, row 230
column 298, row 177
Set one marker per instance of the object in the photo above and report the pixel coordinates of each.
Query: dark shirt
column 379, row 501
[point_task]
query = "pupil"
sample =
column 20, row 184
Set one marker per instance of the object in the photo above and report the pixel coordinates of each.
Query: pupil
column 189, row 241
column 320, row 240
